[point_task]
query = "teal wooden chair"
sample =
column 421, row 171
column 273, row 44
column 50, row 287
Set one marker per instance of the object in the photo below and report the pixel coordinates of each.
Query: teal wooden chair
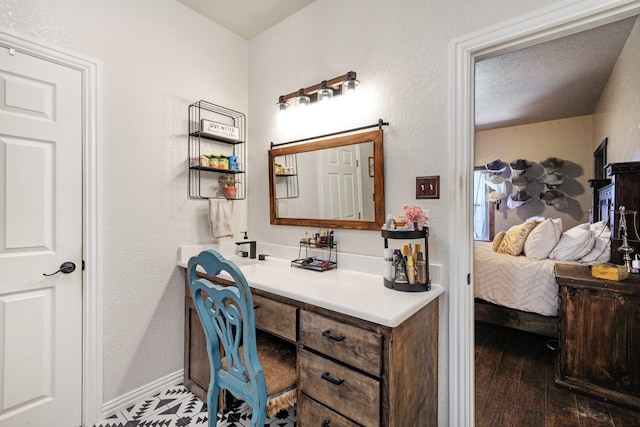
column 235, row 352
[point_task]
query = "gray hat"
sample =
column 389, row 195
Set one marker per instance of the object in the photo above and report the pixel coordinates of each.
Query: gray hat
column 552, row 164
column 519, row 165
column 519, row 181
column 552, row 179
column 518, row 199
column 497, row 166
column 554, row 198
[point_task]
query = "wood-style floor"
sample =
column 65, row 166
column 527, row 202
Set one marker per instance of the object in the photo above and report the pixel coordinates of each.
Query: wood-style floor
column 515, row 386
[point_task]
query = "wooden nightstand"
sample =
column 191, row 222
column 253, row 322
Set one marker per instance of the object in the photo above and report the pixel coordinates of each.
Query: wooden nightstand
column 599, row 335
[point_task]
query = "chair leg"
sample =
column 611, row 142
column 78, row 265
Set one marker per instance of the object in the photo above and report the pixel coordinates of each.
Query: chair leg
column 259, row 415
column 212, row 406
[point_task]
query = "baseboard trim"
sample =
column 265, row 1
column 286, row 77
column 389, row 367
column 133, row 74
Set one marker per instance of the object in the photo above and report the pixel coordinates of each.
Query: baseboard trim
column 122, row 402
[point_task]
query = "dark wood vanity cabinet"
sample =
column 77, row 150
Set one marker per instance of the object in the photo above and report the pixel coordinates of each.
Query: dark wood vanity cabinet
column 624, row 190
column 351, row 372
column 354, row 372
column 599, row 335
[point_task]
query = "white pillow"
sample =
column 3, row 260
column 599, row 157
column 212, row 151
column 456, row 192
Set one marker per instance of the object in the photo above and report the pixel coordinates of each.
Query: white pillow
column 543, row 238
column 574, row 244
column 601, row 251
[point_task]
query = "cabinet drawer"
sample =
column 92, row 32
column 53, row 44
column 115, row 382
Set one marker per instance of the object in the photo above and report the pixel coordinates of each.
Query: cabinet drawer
column 276, row 317
column 349, row 344
column 313, row 414
column 340, row 388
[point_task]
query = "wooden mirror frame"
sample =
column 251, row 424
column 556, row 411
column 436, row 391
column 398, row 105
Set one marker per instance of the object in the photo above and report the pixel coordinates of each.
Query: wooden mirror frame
column 378, row 181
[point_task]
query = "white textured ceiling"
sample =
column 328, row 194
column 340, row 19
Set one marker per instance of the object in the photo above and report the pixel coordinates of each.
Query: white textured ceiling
column 246, row 18
column 553, row 80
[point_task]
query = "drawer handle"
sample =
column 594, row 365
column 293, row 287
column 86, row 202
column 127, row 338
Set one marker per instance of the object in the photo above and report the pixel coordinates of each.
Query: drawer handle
column 325, row 423
column 336, row 381
column 327, row 334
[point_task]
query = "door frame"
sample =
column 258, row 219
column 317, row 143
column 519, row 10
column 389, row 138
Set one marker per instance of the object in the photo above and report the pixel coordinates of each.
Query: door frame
column 92, row 336
column 545, row 24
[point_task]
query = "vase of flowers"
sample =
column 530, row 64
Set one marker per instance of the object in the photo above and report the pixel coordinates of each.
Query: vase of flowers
column 416, row 216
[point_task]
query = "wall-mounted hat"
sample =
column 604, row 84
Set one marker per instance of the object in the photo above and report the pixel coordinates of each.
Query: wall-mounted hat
column 518, row 199
column 552, row 164
column 552, row 179
column 495, row 179
column 519, row 181
column 497, row 166
column 496, row 197
column 554, row 198
column 518, row 167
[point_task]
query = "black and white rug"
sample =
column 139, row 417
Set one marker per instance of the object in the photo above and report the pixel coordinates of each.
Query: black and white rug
column 178, row 407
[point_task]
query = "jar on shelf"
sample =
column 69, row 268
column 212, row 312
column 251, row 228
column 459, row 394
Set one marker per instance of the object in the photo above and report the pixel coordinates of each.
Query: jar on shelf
column 213, row 161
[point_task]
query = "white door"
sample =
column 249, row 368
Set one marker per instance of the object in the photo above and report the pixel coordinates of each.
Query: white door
column 340, row 179
column 40, row 228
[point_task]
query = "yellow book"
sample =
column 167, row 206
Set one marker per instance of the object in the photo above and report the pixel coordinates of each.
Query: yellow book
column 609, row 271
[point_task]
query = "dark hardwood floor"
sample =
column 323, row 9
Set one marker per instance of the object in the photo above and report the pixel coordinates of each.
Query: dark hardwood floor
column 515, row 386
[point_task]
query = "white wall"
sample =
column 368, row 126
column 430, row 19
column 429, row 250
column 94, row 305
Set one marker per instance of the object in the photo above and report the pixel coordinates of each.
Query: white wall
column 400, row 51
column 157, row 57
column 567, row 139
column 617, row 114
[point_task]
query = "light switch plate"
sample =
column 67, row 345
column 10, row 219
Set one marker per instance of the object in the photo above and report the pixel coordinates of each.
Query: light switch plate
column 428, row 187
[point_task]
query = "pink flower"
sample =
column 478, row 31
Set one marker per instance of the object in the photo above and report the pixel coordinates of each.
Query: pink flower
column 415, row 214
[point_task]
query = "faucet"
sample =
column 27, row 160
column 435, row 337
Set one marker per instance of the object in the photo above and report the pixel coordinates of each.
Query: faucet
column 252, row 247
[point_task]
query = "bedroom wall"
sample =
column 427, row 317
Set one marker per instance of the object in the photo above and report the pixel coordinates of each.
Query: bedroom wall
column 156, row 58
column 567, row 139
column 617, row 114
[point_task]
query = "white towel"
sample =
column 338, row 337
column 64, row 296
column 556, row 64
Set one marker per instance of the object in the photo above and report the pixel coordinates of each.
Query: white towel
column 220, row 218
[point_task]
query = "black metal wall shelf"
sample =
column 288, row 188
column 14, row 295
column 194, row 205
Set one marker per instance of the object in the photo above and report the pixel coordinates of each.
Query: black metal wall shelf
column 204, row 179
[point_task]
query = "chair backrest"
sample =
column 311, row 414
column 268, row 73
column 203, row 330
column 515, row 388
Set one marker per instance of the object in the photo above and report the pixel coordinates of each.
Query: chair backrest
column 226, row 314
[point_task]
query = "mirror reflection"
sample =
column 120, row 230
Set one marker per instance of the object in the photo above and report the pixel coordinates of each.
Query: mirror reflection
column 337, row 183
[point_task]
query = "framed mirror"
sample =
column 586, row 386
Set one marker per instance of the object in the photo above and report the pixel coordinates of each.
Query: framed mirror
column 330, row 183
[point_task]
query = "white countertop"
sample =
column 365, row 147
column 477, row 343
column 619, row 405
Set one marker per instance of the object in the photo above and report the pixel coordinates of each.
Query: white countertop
column 354, row 293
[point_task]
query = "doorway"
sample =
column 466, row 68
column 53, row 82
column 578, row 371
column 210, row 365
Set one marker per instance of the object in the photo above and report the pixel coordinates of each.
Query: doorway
column 547, row 24
column 91, row 264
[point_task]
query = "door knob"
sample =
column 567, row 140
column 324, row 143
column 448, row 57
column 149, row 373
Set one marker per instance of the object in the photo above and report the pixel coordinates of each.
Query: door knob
column 65, row 267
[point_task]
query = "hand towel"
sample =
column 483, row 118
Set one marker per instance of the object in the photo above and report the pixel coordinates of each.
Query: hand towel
column 220, row 218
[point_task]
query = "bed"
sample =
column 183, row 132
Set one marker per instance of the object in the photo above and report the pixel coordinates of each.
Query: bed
column 519, row 291
column 515, row 291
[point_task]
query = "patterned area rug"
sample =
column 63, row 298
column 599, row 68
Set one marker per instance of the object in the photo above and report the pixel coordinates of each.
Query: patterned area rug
column 178, row 407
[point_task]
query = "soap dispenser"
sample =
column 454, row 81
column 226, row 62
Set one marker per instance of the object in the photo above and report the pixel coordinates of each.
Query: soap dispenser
column 246, row 237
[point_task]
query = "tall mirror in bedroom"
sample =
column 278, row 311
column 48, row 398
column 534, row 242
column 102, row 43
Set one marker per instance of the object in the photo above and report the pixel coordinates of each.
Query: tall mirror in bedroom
column 330, row 183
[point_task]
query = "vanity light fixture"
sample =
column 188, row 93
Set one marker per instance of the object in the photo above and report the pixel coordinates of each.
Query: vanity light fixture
column 324, row 92
column 350, row 83
column 302, row 100
column 326, row 89
column 282, row 104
